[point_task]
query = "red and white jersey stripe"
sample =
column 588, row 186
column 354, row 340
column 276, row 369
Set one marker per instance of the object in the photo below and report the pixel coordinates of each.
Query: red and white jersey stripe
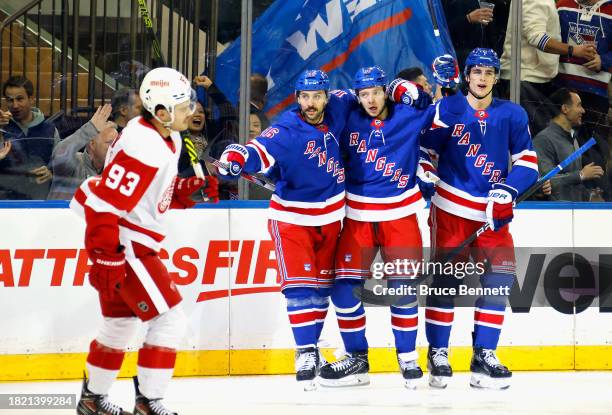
column 378, row 209
column 459, row 202
column 267, row 160
column 307, row 213
column 526, row 158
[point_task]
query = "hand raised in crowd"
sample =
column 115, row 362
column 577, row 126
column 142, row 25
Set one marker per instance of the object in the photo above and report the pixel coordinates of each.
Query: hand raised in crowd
column 591, row 171
column 482, row 16
column 4, row 150
column 203, row 81
column 5, row 117
column 42, row 173
column 100, row 117
column 594, row 64
column 587, row 52
column 547, row 188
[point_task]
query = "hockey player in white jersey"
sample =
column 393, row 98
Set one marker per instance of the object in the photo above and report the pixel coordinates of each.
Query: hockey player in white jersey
column 126, row 213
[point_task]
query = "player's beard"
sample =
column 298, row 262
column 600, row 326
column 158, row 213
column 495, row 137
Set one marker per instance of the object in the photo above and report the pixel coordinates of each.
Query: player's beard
column 314, row 119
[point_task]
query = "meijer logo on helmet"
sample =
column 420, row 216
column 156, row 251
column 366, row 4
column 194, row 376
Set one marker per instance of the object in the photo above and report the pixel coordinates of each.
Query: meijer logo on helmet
column 160, row 83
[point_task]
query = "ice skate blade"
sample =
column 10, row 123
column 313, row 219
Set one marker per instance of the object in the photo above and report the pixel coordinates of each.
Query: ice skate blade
column 308, row 385
column 480, row 381
column 439, row 382
column 411, row 384
column 361, row 379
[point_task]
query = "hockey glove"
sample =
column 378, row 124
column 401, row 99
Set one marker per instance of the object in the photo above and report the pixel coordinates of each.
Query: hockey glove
column 107, row 271
column 427, row 179
column 408, row 93
column 446, row 71
column 235, row 155
column 183, row 189
column 211, row 189
column 499, row 206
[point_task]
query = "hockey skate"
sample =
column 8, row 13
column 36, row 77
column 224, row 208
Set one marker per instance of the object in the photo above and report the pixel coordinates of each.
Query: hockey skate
column 93, row 404
column 439, row 368
column 487, row 370
column 410, row 371
column 307, row 365
column 350, row 371
column 145, row 406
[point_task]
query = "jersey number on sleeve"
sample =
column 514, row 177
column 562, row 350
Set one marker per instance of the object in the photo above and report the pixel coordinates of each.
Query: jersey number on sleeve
column 118, row 175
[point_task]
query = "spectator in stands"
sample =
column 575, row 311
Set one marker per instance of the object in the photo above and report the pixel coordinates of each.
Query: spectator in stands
column 255, row 124
column 540, row 49
column 197, row 133
column 587, row 23
column 416, row 75
column 5, row 145
column 126, row 105
column 24, row 172
column 82, row 154
column 222, row 122
column 556, row 142
column 476, row 24
column 259, row 89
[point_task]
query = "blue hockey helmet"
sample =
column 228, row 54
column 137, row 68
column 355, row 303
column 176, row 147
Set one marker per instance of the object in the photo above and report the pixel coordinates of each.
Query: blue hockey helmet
column 312, row 80
column 481, row 57
column 368, row 77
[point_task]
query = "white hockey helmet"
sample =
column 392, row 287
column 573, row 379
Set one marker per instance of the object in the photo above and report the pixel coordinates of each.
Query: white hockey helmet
column 168, row 88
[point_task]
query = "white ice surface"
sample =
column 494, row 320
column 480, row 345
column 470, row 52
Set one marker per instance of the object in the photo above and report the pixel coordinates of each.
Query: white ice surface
column 539, row 393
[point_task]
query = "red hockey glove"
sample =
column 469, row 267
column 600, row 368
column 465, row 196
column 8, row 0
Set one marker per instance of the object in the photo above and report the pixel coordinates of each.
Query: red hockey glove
column 211, row 189
column 183, row 189
column 408, row 93
column 499, row 206
column 107, row 272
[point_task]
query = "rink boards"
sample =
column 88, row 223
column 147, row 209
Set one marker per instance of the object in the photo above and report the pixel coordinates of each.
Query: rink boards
column 222, row 259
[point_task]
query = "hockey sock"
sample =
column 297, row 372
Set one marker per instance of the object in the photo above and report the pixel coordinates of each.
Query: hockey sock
column 321, row 305
column 489, row 310
column 351, row 315
column 404, row 321
column 103, row 364
column 306, row 311
column 155, row 367
column 439, row 313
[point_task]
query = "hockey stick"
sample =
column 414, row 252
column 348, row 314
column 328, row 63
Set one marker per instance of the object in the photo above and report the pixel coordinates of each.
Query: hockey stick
column 371, row 298
column 258, row 180
column 159, row 60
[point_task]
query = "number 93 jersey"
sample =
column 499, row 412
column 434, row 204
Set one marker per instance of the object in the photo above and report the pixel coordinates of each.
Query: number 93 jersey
column 136, row 184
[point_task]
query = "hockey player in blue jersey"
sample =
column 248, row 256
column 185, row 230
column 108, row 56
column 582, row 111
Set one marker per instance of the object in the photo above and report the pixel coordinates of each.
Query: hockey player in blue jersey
column 307, row 206
column 380, row 145
column 476, row 137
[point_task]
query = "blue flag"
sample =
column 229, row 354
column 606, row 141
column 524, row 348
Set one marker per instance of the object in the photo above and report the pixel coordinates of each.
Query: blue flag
column 339, row 37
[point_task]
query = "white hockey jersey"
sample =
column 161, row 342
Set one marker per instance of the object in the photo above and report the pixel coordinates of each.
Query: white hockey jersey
column 137, row 183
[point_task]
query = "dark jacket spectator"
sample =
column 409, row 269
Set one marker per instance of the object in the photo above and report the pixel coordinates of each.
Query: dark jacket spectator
column 473, row 25
column 24, row 172
column 556, row 142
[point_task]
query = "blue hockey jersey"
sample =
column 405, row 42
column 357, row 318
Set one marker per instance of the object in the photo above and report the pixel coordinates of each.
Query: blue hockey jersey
column 305, row 160
column 381, row 159
column 475, row 150
column 581, row 25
